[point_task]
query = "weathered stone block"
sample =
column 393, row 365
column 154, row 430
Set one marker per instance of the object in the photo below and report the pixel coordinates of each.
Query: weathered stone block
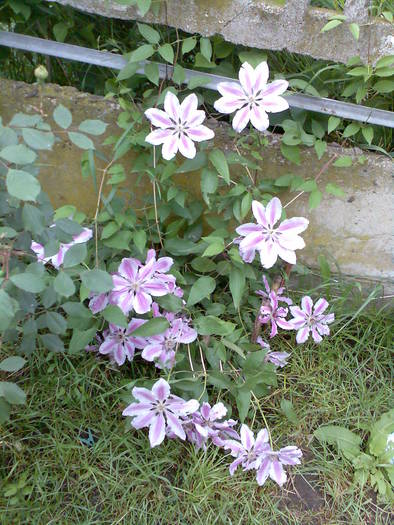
column 355, row 231
column 264, row 24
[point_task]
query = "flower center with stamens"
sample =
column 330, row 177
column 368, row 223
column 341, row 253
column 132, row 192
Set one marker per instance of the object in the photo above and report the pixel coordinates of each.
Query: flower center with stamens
column 169, row 343
column 160, row 407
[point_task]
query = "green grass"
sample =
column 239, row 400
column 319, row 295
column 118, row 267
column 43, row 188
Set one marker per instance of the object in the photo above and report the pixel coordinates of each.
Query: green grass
column 345, row 380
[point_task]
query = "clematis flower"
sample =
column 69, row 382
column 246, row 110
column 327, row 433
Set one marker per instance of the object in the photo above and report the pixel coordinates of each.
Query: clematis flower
column 276, row 358
column 278, row 292
column 207, row 424
column 120, row 343
column 161, row 348
column 178, row 126
column 270, row 241
column 252, row 98
column 159, row 410
column 310, row 318
column 57, row 259
column 160, row 269
column 134, row 284
column 272, row 313
column 97, row 302
column 249, row 453
column 272, row 463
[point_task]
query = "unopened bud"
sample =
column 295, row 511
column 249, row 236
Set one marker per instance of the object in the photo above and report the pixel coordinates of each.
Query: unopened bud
column 41, row 73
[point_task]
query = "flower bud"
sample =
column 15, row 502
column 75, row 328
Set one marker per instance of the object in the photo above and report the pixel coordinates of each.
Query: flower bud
column 41, row 73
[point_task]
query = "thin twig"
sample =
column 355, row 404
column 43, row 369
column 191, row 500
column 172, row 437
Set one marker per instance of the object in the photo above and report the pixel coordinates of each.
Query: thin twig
column 98, row 208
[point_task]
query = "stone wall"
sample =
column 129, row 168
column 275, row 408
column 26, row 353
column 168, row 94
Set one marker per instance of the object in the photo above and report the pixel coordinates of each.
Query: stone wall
column 356, row 230
column 266, row 24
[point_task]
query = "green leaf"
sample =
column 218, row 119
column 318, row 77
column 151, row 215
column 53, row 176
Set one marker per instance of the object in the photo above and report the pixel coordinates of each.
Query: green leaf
column 97, row 280
column 284, row 180
column 21, row 120
column 38, row 139
column 166, row 52
column 254, row 58
column 195, row 164
column 80, row 140
column 113, row 314
column 385, row 61
column 333, row 189
column 75, row 309
column 188, row 44
column 380, row 431
column 128, row 71
column 33, row 219
column 60, row 31
column 343, row 162
column 63, row 284
column 320, row 148
column 12, row 393
column 154, row 326
column 12, row 364
column 120, row 241
column 75, row 255
column 242, row 398
column 237, row 285
column 81, row 338
column 308, row 186
column 143, row 6
column 288, row 410
column 62, row 116
column 151, row 71
column 29, row 282
column 22, row 185
column 94, row 127
column 56, row 323
column 142, row 53
column 218, row 379
column 315, row 199
column 7, row 310
column 18, row 154
column 206, row 48
column 178, row 75
column 346, row 441
column 291, row 153
column 202, row 288
column 140, row 240
column 151, row 35
column 368, row 134
column 197, row 81
column 355, row 30
column 209, row 181
column 5, row 411
column 330, row 25
column 214, row 248
column 219, row 161
column 384, row 86
column 351, row 129
column 211, row 325
column 333, row 123
column 181, row 247
column 170, row 302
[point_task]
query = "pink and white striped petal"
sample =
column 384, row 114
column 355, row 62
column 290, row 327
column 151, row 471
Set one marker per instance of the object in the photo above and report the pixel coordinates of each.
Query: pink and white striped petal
column 231, row 90
column 157, row 430
column 137, row 409
column 273, row 211
column 170, row 147
column 143, row 395
column 293, row 226
column 186, row 146
column 172, row 106
column 274, row 104
column 275, row 88
column 262, row 74
column 228, row 105
column 247, row 77
column 161, row 389
column 188, row 107
column 159, row 136
column 320, row 306
column 258, row 211
column 158, row 118
column 247, row 437
column 241, row 119
column 259, row 118
column 200, row 133
column 307, row 304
